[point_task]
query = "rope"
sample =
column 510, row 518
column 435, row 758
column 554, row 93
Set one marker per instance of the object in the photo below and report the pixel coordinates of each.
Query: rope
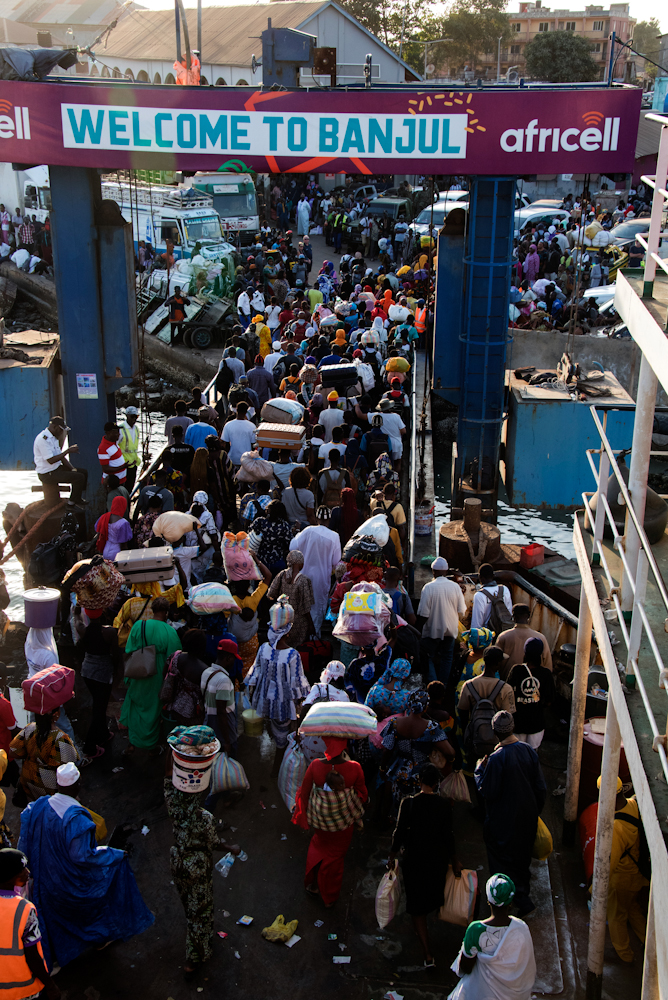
column 15, row 527
column 32, row 530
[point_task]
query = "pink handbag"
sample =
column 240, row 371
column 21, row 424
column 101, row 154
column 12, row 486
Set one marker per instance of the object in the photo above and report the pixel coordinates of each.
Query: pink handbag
column 48, row 689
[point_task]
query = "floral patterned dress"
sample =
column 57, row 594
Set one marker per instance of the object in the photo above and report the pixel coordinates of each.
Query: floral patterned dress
column 411, row 755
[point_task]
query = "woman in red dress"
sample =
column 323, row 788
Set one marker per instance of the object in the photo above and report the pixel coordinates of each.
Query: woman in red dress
column 332, row 816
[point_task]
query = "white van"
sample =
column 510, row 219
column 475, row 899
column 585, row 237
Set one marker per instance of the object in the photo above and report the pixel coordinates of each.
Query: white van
column 183, row 216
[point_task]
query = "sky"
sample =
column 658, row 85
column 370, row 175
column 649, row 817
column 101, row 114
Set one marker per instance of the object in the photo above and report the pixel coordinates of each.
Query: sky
column 642, row 10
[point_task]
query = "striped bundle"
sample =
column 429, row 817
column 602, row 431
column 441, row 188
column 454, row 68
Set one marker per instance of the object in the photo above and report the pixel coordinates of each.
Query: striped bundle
column 339, row 718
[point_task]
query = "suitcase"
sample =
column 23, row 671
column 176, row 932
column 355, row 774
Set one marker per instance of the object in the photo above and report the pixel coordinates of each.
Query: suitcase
column 338, row 376
column 274, row 415
column 290, row 436
column 146, row 565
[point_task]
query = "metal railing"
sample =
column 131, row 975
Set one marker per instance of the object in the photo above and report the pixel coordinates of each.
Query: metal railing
column 652, row 242
column 639, row 625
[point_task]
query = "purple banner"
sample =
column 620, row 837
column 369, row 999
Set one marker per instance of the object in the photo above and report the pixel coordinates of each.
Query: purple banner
column 494, row 132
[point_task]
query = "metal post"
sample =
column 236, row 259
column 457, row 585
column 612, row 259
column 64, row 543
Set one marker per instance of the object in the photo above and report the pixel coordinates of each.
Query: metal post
column 650, row 972
column 604, row 828
column 602, row 489
column 578, row 703
column 75, row 193
column 638, row 471
column 199, row 38
column 611, row 63
column 658, row 204
column 498, row 59
column 177, row 24
column 635, row 631
column 186, row 34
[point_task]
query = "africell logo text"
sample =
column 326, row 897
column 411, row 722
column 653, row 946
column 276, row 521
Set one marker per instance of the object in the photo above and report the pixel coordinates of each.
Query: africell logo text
column 14, row 122
column 600, row 133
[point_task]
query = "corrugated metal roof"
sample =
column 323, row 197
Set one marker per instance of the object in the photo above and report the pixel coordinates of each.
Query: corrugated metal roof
column 15, row 33
column 63, row 12
column 649, row 134
column 232, row 34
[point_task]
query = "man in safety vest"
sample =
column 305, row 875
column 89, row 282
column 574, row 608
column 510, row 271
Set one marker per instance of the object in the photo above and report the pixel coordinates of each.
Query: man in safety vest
column 22, row 970
column 421, row 319
column 626, row 877
column 340, row 220
column 128, row 442
column 176, row 304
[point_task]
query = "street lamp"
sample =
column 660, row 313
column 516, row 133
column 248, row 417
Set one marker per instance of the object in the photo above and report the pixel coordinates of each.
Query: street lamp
column 431, row 41
column 498, row 59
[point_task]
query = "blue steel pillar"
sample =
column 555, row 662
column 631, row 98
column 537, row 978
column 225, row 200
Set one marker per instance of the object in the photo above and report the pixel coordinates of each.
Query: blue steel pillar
column 484, row 339
column 448, row 313
column 94, row 279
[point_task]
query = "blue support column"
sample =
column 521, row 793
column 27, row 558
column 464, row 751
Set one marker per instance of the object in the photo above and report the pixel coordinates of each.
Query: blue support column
column 484, row 341
column 76, row 196
column 449, row 308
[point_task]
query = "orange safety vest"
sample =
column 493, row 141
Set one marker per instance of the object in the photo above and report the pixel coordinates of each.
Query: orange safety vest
column 16, row 979
column 420, row 319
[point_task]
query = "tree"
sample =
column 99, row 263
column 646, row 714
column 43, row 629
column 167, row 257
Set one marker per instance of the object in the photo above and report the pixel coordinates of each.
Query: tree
column 560, row 57
column 474, row 27
column 645, row 40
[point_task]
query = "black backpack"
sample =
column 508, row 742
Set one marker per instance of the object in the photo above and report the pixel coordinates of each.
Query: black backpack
column 46, row 564
column 644, row 863
column 500, row 618
column 224, row 379
column 479, row 735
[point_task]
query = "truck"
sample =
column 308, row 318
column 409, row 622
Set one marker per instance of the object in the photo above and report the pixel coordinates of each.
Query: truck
column 235, row 201
column 183, row 216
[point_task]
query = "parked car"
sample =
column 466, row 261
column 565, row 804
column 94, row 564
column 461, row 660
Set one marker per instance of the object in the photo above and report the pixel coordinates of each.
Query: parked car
column 624, row 233
column 521, row 200
column 433, row 216
column 531, row 215
column 392, row 209
column 363, row 192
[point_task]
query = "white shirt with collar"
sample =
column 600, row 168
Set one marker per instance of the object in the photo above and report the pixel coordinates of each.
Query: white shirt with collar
column 46, row 445
column 60, row 803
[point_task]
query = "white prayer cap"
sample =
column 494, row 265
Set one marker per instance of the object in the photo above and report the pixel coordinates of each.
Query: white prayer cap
column 67, row 774
column 439, row 563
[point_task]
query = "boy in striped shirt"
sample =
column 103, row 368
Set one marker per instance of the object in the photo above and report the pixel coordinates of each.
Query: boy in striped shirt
column 110, row 455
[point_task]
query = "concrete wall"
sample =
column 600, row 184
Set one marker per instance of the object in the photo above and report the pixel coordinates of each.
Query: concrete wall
column 544, row 350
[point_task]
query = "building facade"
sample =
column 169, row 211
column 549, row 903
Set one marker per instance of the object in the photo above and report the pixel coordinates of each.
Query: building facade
column 142, row 47
column 593, row 23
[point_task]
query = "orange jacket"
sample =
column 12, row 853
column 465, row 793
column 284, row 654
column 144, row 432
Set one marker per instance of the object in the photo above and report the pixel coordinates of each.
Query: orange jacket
column 16, row 979
column 420, row 319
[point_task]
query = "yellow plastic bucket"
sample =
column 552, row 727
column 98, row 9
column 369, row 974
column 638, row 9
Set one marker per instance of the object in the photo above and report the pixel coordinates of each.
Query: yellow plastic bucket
column 253, row 723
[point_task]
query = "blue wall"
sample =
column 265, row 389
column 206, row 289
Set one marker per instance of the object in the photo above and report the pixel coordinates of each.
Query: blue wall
column 546, row 441
column 29, row 395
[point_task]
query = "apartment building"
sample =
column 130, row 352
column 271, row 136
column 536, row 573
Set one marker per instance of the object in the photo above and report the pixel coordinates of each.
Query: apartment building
column 593, row 23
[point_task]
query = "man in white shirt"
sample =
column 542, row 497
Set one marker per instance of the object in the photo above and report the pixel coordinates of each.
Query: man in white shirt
column 482, row 604
column 394, row 427
column 50, row 451
column 335, row 443
column 441, row 605
column 271, row 360
column 400, row 233
column 331, row 417
column 239, row 435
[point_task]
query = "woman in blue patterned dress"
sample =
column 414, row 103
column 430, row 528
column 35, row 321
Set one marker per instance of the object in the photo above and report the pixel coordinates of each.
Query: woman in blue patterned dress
column 407, row 742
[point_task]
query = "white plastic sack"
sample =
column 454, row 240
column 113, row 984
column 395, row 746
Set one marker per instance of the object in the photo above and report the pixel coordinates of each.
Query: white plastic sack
column 387, row 897
column 377, row 527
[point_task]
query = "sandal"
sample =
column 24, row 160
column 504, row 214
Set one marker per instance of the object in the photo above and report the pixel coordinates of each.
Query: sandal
column 429, row 963
column 89, row 758
column 129, row 750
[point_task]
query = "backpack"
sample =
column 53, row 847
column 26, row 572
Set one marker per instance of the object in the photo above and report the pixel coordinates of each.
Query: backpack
column 237, row 394
column 644, row 863
column 332, row 495
column 479, row 735
column 500, row 618
column 46, row 566
column 224, row 379
column 388, row 512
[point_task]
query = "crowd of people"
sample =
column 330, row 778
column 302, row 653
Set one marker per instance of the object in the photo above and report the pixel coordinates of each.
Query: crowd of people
column 450, row 693
column 556, row 263
column 26, row 241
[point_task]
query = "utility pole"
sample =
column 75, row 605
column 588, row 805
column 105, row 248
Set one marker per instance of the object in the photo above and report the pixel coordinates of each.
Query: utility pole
column 199, row 39
column 498, row 59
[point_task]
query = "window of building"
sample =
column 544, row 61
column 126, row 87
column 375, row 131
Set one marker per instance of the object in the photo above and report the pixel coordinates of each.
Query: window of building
column 170, row 78
column 116, row 73
column 515, row 50
column 596, row 47
column 543, row 25
column 516, row 27
column 597, row 26
column 570, row 25
column 156, row 79
column 129, row 75
column 241, row 83
column 143, row 77
column 220, row 82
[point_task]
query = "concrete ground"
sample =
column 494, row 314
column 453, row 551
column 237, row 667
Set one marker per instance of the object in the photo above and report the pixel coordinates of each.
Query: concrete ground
column 271, row 882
